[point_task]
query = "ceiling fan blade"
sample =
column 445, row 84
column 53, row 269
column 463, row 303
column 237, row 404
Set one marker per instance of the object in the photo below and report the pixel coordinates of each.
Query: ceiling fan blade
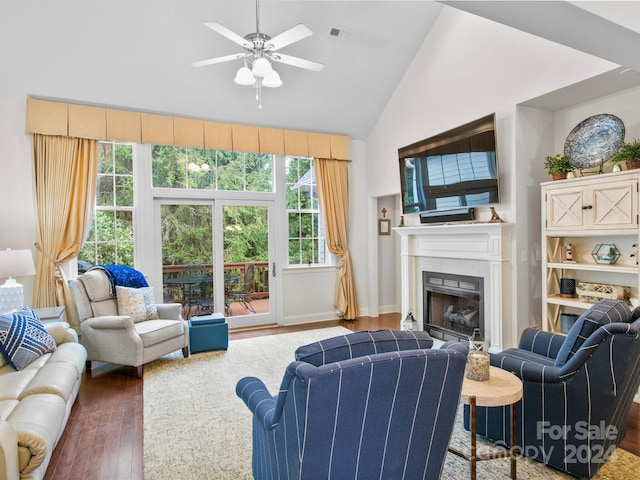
column 294, row 34
column 225, row 32
column 211, row 61
column 297, row 62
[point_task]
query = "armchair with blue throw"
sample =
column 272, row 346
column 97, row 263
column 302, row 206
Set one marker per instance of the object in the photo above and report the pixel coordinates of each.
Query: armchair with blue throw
column 370, row 404
column 577, row 393
column 123, row 324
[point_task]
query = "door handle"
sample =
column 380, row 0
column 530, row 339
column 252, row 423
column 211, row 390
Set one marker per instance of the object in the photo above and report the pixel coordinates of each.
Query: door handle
column 273, row 270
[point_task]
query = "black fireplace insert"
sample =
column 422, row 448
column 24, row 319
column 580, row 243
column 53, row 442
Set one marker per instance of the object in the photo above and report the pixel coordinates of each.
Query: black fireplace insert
column 453, row 305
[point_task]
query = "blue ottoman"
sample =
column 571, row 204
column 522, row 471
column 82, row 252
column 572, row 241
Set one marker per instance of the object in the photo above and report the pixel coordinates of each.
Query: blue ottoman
column 208, row 332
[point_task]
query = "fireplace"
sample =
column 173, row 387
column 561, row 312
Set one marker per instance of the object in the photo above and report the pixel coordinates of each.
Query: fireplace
column 453, row 305
column 472, row 252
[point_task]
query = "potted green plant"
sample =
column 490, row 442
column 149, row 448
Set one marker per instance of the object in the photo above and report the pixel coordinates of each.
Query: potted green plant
column 629, row 153
column 558, row 166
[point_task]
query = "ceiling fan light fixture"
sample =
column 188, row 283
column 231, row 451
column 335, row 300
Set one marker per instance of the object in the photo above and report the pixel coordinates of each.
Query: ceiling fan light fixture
column 244, row 76
column 261, row 67
column 272, row 80
column 259, row 51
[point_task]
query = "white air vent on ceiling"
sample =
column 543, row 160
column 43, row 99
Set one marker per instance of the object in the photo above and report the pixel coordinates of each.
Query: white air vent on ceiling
column 339, row 33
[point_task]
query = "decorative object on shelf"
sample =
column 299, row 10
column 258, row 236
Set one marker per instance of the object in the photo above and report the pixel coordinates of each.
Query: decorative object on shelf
column 14, row 263
column 558, row 166
column 629, row 153
column 567, row 287
column 606, row 253
column 495, row 218
column 409, row 322
column 477, row 360
column 401, row 224
column 566, row 321
column 616, row 168
column 594, row 292
column 568, row 254
column 384, row 226
column 594, row 141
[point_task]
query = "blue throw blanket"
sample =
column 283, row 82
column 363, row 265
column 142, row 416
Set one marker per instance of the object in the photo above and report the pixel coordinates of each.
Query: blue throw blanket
column 123, row 276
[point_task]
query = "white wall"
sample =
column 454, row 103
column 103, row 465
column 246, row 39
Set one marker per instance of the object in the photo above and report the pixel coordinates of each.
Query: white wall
column 17, row 216
column 469, row 67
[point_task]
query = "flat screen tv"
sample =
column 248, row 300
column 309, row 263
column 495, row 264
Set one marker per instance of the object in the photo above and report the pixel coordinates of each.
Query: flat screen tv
column 454, row 170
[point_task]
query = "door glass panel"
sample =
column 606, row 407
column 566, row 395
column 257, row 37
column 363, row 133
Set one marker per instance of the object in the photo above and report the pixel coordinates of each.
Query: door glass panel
column 246, row 260
column 187, row 253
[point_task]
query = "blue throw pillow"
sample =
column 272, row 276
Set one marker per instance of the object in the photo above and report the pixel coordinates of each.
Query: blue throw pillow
column 23, row 338
column 602, row 313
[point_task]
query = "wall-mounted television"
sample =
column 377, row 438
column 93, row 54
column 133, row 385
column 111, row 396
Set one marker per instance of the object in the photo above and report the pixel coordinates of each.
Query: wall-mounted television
column 454, row 170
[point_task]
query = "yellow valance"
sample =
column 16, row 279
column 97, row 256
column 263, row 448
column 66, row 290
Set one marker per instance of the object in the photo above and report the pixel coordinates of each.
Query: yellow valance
column 83, row 121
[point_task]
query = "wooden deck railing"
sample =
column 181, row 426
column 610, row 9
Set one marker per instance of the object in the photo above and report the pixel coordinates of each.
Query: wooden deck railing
column 238, row 270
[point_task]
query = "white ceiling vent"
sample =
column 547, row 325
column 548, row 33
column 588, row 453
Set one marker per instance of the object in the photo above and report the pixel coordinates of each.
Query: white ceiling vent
column 339, row 32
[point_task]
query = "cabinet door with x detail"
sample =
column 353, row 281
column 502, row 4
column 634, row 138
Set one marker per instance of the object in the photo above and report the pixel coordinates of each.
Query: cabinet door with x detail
column 588, row 204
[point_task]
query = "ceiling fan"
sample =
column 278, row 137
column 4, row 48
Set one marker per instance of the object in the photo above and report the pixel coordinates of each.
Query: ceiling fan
column 260, row 50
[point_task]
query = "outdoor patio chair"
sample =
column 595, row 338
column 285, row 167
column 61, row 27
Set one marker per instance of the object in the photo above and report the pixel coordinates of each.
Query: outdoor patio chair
column 244, row 293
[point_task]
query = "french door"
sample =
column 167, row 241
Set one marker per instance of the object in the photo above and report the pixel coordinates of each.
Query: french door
column 218, row 256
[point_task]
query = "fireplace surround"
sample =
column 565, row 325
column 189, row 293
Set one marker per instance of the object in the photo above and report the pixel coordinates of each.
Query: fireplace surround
column 481, row 250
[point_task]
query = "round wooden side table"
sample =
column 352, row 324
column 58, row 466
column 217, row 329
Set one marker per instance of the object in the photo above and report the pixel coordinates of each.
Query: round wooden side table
column 503, row 388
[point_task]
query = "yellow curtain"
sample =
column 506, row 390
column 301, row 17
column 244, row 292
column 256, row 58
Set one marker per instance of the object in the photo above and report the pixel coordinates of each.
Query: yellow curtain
column 65, row 171
column 333, row 193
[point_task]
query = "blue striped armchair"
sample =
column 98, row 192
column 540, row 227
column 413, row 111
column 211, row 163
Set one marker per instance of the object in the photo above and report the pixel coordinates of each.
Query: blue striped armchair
column 371, row 404
column 577, row 393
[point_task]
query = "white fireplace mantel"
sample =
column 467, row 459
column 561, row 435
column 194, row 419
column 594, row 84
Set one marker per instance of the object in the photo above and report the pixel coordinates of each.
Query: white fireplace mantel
column 479, row 249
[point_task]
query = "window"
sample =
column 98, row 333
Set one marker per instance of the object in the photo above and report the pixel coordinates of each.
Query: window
column 110, row 239
column 306, row 231
column 111, row 236
column 200, row 169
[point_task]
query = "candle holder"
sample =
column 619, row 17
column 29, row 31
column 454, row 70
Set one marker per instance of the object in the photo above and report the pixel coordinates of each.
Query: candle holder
column 478, row 360
column 477, row 366
column 567, row 287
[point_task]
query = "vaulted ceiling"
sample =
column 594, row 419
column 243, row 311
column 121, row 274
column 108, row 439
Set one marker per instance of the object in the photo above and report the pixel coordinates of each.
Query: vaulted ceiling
column 136, row 54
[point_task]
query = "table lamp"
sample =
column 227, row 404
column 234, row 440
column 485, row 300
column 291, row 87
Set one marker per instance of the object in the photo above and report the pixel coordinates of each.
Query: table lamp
column 14, row 263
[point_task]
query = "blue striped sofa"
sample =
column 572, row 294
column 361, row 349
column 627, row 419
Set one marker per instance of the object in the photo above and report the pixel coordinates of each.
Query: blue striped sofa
column 578, row 390
column 370, row 404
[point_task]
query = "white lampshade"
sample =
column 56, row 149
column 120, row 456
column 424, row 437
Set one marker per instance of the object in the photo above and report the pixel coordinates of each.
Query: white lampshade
column 244, row 76
column 14, row 263
column 272, row 80
column 261, row 67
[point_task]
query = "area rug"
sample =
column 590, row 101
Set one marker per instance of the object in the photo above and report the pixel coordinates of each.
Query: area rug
column 195, row 427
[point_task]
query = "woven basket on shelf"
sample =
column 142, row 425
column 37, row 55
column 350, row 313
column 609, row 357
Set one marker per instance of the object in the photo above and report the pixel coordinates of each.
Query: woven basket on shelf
column 594, row 292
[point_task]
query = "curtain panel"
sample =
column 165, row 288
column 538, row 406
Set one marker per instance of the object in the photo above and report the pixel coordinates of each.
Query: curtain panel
column 65, row 171
column 333, row 194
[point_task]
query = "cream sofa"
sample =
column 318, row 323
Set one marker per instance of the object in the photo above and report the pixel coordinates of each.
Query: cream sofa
column 35, row 404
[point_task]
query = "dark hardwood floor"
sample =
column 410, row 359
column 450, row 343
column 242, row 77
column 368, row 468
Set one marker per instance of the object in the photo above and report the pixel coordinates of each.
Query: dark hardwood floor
column 103, row 438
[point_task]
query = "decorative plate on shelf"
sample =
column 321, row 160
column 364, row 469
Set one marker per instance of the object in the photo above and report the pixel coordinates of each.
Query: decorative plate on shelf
column 594, row 140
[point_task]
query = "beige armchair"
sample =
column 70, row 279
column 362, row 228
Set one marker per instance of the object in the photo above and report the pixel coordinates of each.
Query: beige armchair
column 113, row 338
